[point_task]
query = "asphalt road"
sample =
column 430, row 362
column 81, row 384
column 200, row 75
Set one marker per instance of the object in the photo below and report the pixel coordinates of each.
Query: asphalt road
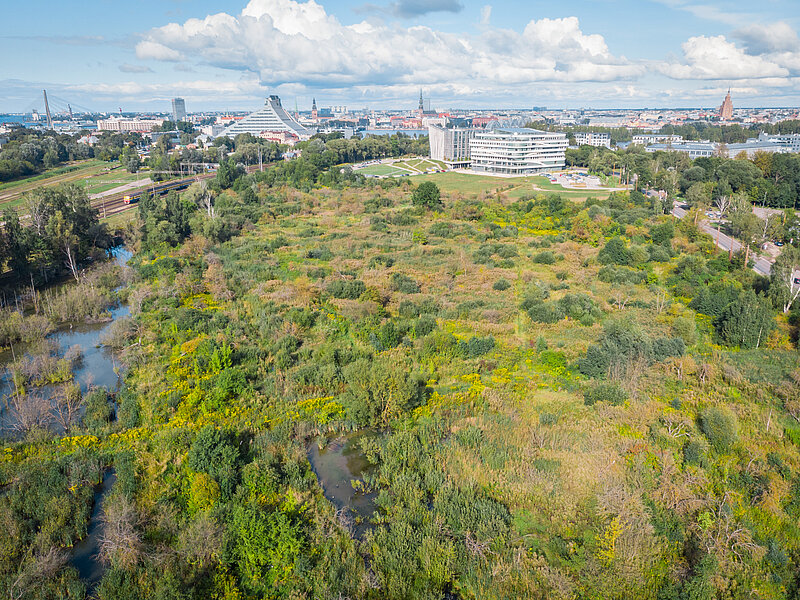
column 760, row 264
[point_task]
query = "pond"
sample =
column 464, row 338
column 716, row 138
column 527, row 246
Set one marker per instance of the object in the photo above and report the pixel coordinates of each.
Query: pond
column 98, row 367
column 336, row 466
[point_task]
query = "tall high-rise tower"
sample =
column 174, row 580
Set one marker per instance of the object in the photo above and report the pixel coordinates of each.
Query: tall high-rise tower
column 178, row 109
column 314, row 109
column 726, row 109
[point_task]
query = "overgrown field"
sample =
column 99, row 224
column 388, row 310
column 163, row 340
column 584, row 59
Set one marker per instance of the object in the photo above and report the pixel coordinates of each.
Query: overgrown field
column 570, row 400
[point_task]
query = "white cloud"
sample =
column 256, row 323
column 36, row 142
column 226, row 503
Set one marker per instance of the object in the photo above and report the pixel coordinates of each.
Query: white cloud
column 765, row 39
column 486, row 15
column 717, row 58
column 776, row 42
column 149, row 49
column 286, row 41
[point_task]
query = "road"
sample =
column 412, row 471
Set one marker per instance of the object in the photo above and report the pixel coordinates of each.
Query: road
column 761, row 265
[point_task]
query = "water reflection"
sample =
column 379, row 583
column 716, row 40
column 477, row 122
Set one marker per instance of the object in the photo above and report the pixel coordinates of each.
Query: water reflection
column 340, row 463
column 85, row 553
column 98, row 367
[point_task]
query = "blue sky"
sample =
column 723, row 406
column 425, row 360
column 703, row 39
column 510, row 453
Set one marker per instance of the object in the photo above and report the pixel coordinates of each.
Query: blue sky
column 378, row 53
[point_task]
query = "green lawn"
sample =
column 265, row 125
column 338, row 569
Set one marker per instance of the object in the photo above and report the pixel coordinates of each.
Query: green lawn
column 515, row 187
column 75, row 169
column 453, row 181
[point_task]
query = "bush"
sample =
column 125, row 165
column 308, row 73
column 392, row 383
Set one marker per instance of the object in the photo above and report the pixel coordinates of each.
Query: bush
column 610, row 393
column 659, row 253
column 404, row 284
column 501, row 285
column 548, row 419
column 216, row 452
column 382, row 390
column 476, row 346
column 99, row 411
column 545, row 257
column 347, row 289
column 322, row 253
column 545, row 312
column 424, row 325
column 625, row 342
column 621, row 275
column 721, row 427
column 694, row 452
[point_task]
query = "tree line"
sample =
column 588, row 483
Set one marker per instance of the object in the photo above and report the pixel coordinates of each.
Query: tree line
column 30, row 152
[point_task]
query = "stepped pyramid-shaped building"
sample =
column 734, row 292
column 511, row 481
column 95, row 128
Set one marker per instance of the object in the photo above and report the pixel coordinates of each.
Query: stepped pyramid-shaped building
column 270, row 118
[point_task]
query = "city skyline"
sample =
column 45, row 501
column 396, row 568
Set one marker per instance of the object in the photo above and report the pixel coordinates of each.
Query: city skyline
column 230, row 55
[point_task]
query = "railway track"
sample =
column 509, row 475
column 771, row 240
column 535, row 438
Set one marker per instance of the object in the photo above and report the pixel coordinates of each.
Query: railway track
column 115, row 204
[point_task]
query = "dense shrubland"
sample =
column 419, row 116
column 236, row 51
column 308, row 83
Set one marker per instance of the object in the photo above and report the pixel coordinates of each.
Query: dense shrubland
column 567, row 400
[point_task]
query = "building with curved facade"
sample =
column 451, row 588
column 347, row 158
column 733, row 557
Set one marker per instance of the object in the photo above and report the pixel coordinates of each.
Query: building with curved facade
column 517, row 151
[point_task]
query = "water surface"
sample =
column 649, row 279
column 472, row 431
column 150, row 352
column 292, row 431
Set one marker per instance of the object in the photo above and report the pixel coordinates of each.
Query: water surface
column 336, row 466
column 85, row 553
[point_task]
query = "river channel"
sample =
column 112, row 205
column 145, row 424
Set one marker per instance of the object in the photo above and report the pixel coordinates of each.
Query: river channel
column 85, row 553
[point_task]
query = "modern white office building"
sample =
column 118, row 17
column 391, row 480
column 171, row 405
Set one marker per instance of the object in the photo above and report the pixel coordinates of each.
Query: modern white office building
column 270, row 118
column 693, row 149
column 451, row 146
column 517, row 151
column 599, row 140
column 790, row 141
column 772, row 144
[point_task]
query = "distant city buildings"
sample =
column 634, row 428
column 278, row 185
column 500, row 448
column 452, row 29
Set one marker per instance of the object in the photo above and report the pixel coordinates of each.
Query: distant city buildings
column 772, row 144
column 645, row 139
column 726, row 109
column 517, row 151
column 280, row 137
column 600, row 140
column 693, row 149
column 270, row 118
column 120, row 124
column 178, row 109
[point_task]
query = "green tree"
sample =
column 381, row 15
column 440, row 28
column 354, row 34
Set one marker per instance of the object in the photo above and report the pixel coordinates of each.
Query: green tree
column 130, row 159
column 615, row 252
column 746, row 322
column 427, row 195
column 782, row 277
column 16, row 243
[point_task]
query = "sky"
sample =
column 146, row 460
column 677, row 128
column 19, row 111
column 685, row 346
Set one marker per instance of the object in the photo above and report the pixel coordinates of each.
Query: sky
column 106, row 55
